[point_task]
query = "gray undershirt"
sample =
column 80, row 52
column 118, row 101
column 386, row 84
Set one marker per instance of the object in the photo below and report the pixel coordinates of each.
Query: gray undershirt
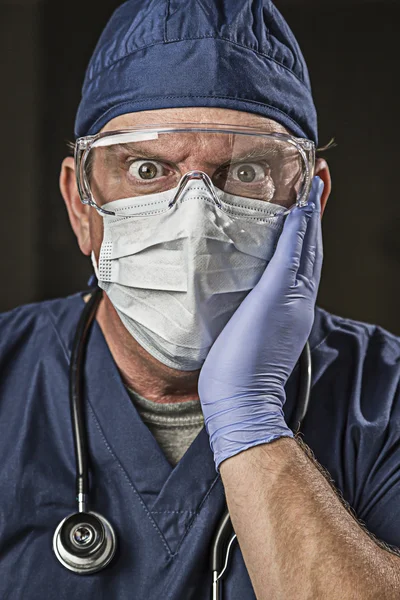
column 173, row 425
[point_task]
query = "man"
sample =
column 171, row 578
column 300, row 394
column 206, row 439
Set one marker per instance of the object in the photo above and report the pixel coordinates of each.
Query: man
column 195, row 142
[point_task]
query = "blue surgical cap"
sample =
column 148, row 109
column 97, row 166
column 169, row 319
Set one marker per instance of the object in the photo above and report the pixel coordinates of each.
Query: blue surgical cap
column 236, row 54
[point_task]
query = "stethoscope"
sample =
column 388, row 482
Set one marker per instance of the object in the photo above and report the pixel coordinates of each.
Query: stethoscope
column 85, row 541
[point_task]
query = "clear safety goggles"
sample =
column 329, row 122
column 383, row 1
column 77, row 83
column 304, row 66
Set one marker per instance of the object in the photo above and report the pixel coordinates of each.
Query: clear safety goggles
column 231, row 161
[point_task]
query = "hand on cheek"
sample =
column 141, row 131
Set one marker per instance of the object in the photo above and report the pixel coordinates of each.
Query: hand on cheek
column 241, row 385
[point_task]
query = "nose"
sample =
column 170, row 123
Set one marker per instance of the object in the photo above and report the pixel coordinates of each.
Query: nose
column 198, row 163
column 193, row 175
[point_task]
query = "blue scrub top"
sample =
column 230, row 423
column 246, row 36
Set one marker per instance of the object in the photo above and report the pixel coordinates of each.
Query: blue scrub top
column 165, row 517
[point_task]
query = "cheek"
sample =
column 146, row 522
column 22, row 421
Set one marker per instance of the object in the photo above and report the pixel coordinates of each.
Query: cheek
column 96, row 231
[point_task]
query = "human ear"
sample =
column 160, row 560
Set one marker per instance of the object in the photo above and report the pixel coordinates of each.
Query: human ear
column 323, row 172
column 78, row 213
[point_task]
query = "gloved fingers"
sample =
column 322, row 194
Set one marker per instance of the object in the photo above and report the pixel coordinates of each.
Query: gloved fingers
column 311, row 255
column 288, row 251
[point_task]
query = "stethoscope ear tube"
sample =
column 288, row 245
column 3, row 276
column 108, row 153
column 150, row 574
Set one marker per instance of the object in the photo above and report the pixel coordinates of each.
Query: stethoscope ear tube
column 304, row 392
column 222, row 544
column 220, row 539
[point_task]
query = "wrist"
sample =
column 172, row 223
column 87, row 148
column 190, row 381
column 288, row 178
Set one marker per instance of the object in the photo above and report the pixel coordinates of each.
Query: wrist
column 257, row 427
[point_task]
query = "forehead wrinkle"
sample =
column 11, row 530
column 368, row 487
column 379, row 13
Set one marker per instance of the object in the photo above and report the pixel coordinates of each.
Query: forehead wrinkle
column 177, row 150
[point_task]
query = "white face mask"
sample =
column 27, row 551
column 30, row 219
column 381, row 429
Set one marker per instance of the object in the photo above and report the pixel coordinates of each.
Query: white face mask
column 176, row 276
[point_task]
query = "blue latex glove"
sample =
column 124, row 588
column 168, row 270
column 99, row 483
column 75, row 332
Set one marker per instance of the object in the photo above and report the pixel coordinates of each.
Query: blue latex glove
column 241, row 384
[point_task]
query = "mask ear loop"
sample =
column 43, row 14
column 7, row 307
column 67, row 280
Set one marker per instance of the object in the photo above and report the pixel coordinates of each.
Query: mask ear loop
column 195, row 175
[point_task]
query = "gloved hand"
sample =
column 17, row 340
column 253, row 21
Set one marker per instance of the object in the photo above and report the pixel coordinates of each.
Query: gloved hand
column 241, row 384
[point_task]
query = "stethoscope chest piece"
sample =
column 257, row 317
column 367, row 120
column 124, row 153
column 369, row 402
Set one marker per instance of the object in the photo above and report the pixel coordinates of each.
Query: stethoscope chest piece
column 84, row 542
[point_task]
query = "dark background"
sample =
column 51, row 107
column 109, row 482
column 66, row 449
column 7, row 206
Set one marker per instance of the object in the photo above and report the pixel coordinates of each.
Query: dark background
column 351, row 48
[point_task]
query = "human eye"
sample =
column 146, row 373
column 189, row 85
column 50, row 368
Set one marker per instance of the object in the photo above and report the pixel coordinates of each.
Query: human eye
column 246, row 178
column 145, row 170
column 248, row 172
column 242, row 175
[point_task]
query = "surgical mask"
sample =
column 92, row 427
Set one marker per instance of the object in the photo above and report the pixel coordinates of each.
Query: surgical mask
column 176, row 275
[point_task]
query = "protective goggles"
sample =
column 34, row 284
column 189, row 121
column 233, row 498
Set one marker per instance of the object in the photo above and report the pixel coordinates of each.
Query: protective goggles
column 231, row 161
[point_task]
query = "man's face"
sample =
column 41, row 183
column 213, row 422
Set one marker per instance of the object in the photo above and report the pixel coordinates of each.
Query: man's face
column 188, row 156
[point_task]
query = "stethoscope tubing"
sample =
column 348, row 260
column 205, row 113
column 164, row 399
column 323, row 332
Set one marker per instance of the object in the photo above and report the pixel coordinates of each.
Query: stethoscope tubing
column 76, row 399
